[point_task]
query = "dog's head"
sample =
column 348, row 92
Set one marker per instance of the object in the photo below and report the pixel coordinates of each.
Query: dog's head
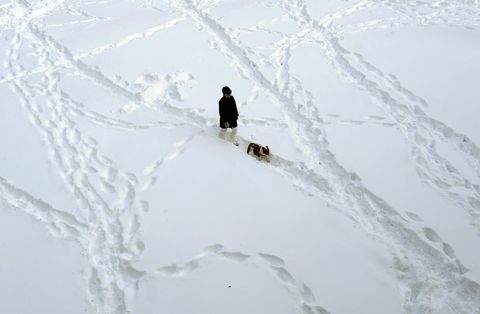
column 265, row 151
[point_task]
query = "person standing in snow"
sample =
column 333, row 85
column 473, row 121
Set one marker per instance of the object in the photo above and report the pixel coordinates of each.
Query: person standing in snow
column 227, row 108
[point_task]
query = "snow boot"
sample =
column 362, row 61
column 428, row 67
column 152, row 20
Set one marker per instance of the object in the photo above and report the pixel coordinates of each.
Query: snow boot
column 234, row 136
column 222, row 133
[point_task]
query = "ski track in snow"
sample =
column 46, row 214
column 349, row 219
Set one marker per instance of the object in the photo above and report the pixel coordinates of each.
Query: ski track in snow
column 107, row 216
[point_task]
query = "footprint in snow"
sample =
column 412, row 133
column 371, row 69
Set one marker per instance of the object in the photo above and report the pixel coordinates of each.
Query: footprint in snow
column 431, row 235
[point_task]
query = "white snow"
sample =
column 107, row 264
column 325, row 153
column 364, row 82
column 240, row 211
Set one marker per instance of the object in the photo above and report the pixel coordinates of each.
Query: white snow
column 118, row 196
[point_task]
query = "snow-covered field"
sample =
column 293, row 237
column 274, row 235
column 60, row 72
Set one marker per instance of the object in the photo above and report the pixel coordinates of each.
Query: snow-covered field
column 118, row 196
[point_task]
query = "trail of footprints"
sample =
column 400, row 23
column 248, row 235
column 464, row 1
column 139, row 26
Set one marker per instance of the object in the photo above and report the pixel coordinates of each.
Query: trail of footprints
column 373, row 213
column 79, row 166
column 274, row 265
column 59, row 223
column 108, row 194
column 432, row 236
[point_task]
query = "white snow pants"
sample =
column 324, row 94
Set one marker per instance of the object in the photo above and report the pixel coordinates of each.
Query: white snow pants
column 223, row 132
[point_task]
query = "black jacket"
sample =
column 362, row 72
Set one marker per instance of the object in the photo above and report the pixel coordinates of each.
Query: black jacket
column 227, row 108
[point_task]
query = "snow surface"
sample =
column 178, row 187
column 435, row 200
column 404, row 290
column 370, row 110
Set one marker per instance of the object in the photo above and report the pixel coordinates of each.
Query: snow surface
column 118, row 196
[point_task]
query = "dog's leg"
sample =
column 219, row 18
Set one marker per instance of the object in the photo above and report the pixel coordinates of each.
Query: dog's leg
column 256, row 151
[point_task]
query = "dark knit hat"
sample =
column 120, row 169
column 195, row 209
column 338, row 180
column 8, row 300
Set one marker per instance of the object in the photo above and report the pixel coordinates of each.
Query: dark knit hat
column 226, row 90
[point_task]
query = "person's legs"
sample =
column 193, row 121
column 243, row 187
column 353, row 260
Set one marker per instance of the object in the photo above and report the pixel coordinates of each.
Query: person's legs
column 234, row 136
column 222, row 133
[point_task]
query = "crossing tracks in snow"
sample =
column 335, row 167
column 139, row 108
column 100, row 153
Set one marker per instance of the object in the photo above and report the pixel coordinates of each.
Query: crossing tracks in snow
column 108, row 212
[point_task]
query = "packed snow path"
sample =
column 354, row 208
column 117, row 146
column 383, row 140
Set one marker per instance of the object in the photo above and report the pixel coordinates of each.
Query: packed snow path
column 106, row 219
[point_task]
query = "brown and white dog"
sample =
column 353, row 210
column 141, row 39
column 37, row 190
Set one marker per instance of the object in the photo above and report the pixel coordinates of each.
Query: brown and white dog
column 262, row 153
